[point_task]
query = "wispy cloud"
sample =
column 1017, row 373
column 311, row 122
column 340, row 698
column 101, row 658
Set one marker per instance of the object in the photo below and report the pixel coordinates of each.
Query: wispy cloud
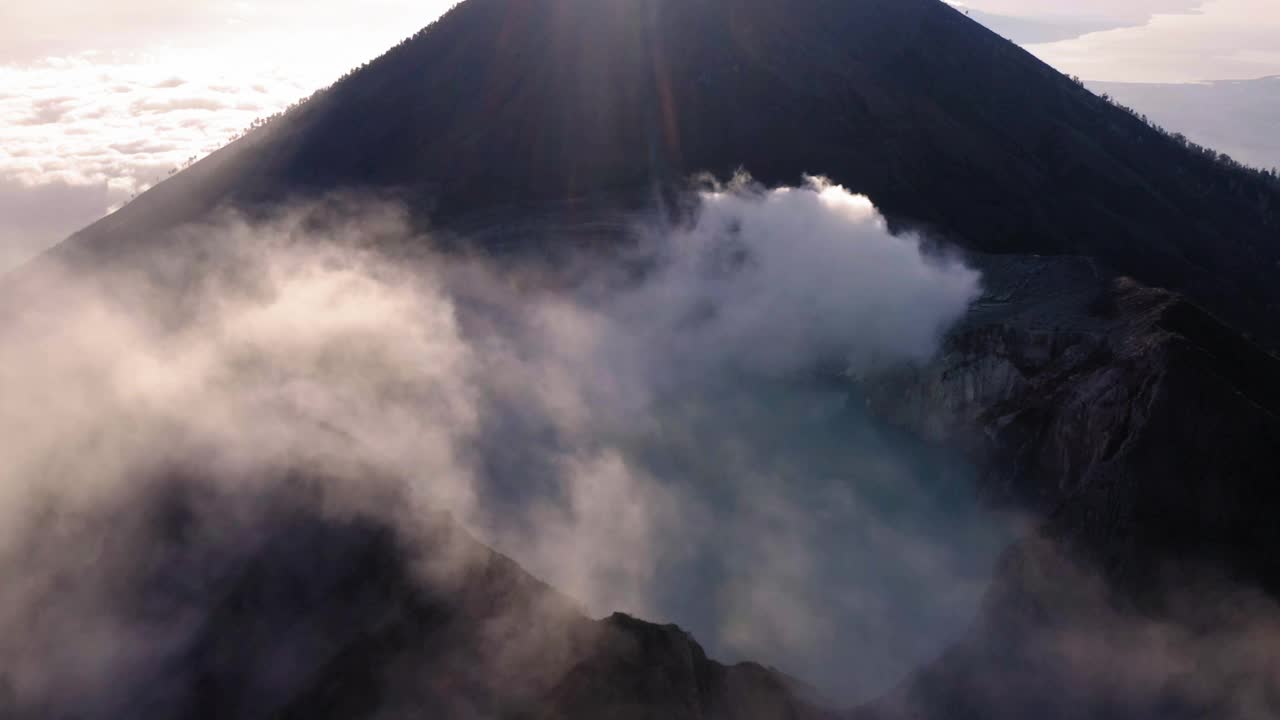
column 1220, row 40
column 171, row 81
column 1113, row 14
column 1168, row 41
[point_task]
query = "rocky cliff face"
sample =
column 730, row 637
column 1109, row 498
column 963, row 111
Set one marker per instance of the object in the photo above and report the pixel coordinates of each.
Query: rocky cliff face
column 1109, row 393
column 1143, row 439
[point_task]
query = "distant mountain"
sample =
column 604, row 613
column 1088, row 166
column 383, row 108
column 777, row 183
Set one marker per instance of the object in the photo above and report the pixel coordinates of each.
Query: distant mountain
column 1237, row 117
column 506, row 104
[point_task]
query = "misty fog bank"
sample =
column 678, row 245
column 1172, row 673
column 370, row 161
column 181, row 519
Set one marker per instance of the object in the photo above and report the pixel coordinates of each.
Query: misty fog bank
column 685, row 443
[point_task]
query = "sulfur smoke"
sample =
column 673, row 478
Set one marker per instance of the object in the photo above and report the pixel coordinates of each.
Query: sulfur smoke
column 674, row 432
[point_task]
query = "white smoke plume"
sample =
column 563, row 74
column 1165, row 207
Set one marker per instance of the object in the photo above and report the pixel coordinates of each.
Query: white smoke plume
column 672, row 438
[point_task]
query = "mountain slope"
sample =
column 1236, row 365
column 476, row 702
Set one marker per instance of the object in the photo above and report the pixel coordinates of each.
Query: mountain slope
column 569, row 103
column 1237, row 117
column 285, row 602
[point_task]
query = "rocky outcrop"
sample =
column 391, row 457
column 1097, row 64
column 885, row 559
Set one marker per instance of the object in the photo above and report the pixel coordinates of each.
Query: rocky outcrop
column 639, row 670
column 1142, row 437
column 1122, row 398
column 311, row 608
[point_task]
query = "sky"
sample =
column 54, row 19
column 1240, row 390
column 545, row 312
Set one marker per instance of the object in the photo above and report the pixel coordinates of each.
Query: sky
column 100, row 100
column 1153, row 41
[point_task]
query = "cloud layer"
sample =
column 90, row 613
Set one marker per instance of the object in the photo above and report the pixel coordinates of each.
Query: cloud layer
column 120, row 96
column 1152, row 41
column 1220, row 40
column 1115, row 14
column 59, row 28
column 1240, row 118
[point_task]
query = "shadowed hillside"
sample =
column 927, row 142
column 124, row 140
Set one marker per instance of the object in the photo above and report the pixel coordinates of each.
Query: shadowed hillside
column 313, row 612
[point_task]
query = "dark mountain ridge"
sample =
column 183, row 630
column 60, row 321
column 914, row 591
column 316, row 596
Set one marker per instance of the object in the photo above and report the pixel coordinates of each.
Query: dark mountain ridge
column 317, row 609
column 573, row 103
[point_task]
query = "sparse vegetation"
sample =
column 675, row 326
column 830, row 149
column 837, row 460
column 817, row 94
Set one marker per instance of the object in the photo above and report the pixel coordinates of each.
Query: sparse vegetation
column 1226, row 161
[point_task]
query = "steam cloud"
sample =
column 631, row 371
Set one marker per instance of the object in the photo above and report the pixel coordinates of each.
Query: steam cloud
column 672, row 434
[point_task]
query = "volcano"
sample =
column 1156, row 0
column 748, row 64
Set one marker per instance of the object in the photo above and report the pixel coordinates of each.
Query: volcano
column 1115, row 382
column 564, row 105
